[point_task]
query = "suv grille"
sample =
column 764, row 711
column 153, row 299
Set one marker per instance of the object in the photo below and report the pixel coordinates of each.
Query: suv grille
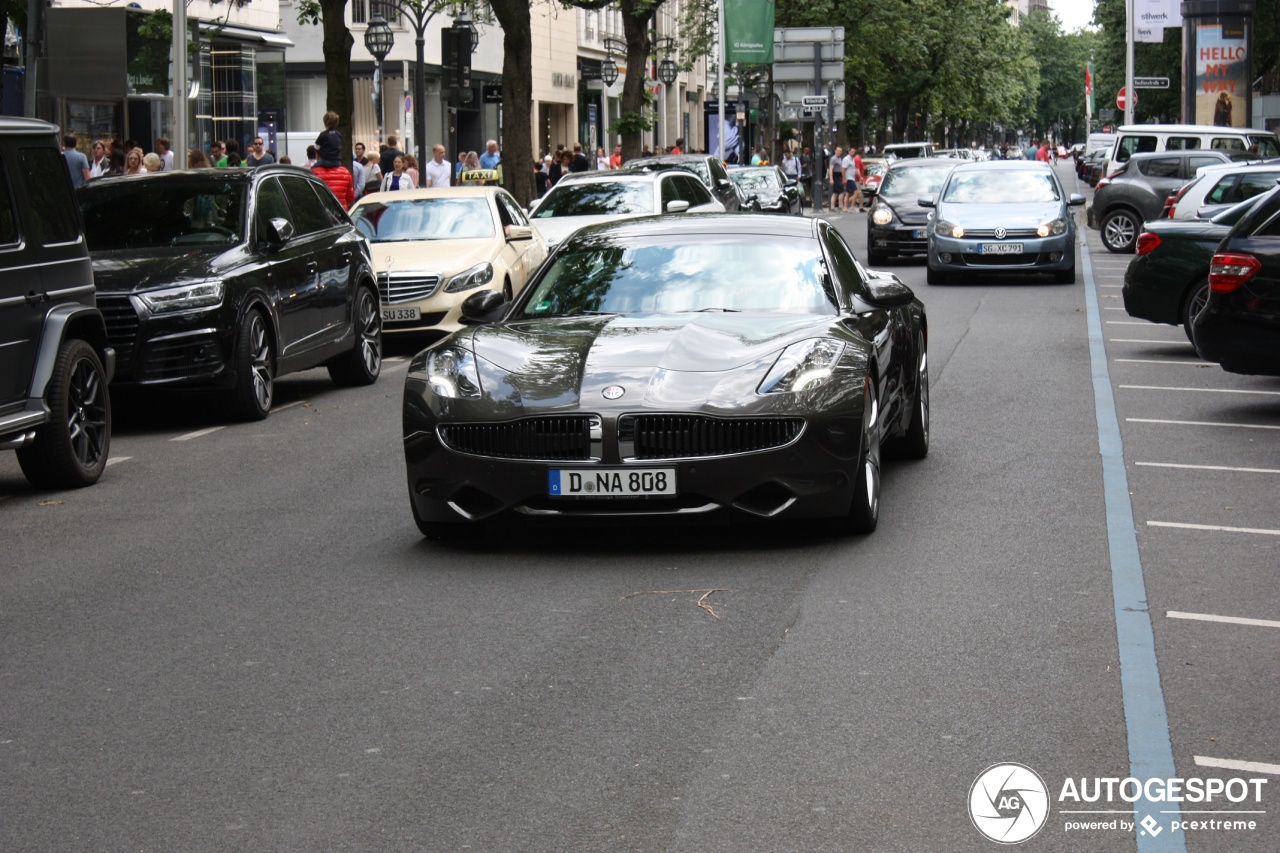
column 406, row 287
column 555, row 437
column 673, row 436
column 122, row 326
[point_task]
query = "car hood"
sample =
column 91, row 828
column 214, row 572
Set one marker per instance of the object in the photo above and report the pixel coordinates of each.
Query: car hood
column 1007, row 215
column 670, row 359
column 907, row 209
column 555, row 228
column 443, row 257
column 132, row 270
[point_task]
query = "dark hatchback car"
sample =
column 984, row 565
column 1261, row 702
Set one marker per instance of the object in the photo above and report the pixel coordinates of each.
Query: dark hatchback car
column 228, row 278
column 709, row 168
column 1168, row 281
column 897, row 224
column 55, row 364
column 1239, row 326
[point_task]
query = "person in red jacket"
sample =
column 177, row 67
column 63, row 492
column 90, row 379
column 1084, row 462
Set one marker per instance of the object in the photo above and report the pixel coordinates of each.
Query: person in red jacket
column 339, row 180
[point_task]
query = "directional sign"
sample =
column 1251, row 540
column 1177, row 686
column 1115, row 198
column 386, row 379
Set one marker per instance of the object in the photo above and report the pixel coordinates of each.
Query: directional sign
column 813, row 109
column 814, row 100
column 1151, row 82
column 802, row 51
column 798, row 71
column 784, row 34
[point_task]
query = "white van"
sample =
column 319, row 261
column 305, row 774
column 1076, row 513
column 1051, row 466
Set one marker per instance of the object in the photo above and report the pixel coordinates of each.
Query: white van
column 1096, row 141
column 1141, row 138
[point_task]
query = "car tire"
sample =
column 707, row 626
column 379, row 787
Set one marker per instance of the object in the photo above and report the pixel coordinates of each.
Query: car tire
column 933, row 276
column 1119, row 230
column 1067, row 276
column 864, row 512
column 70, row 449
column 254, row 391
column 363, row 363
column 1193, row 305
column 914, row 444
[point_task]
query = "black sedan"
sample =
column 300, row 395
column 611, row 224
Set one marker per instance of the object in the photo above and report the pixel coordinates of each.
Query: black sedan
column 767, row 189
column 897, row 224
column 1168, row 281
column 228, row 278
column 1240, row 325
column 669, row 367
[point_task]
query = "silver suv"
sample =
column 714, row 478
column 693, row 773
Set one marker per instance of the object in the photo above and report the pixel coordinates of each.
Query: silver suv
column 54, row 360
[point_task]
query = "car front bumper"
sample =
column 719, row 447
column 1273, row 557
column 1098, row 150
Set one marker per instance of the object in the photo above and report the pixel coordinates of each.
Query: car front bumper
column 896, row 239
column 1245, row 345
column 1039, row 254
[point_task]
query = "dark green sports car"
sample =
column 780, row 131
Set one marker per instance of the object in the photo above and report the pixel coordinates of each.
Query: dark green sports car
column 673, row 366
column 1168, row 280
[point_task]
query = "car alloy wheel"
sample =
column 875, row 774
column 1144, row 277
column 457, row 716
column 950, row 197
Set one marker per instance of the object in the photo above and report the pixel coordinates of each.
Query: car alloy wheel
column 915, row 444
column 362, row 365
column 864, row 513
column 255, row 368
column 1193, row 305
column 71, row 449
column 1120, row 231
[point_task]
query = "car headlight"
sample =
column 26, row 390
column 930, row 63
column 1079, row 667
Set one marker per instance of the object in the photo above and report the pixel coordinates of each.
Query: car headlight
column 451, row 372
column 881, row 215
column 1056, row 227
column 802, row 366
column 948, row 229
column 477, row 276
column 186, row 297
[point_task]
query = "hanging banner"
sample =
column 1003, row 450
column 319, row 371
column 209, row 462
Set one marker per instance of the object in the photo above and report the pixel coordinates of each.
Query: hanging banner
column 748, row 31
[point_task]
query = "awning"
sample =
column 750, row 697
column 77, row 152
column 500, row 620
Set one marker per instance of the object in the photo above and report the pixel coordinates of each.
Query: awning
column 273, row 38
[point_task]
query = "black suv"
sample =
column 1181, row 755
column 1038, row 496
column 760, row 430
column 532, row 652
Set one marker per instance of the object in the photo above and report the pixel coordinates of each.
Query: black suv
column 228, row 278
column 55, row 364
column 709, row 168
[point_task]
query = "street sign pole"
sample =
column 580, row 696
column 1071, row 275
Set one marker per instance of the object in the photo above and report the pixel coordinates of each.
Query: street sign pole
column 817, row 130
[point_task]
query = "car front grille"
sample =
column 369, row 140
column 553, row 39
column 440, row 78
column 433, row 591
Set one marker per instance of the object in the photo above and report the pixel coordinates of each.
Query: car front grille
column 406, row 287
column 1010, row 234
column 122, row 327
column 561, row 437
column 679, row 436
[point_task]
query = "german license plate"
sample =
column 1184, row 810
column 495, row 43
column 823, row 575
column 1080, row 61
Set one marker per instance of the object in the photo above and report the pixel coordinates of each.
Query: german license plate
column 1001, row 249
column 398, row 314
column 611, row 482
column 918, row 234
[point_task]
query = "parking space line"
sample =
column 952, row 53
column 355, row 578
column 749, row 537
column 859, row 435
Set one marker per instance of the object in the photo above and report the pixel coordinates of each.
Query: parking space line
column 1164, row 361
column 1209, row 467
column 1199, row 423
column 1205, row 390
column 1117, row 286
column 1246, row 766
column 1132, row 323
column 114, row 459
column 1182, row 525
column 197, row 433
column 284, row 406
column 1230, row 620
column 1140, row 341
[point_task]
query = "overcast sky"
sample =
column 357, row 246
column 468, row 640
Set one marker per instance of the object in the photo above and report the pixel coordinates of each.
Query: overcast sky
column 1073, row 14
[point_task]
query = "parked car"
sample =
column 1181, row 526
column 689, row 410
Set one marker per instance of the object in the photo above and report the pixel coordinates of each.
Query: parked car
column 1089, row 167
column 908, row 150
column 589, row 198
column 709, row 168
column 671, row 367
column 226, row 279
column 897, row 222
column 1002, row 218
column 874, row 168
column 1159, row 138
column 1216, row 188
column 55, row 361
column 768, row 190
column 433, row 248
column 1138, row 190
column 1168, row 280
column 1239, row 326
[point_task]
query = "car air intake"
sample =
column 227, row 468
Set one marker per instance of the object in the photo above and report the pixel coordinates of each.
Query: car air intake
column 557, row 437
column 676, row 436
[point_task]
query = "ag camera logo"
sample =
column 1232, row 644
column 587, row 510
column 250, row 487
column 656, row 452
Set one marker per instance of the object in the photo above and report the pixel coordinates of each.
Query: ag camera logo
column 1008, row 803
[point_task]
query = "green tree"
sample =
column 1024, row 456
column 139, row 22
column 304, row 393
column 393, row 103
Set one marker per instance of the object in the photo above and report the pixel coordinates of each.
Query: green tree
column 339, row 98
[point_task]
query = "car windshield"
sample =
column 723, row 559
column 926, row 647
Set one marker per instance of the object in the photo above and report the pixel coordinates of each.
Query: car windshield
column 425, row 219
column 698, row 167
column 141, row 214
column 762, row 180
column 913, row 180
column 1013, row 186
column 875, row 168
column 678, row 274
column 596, row 198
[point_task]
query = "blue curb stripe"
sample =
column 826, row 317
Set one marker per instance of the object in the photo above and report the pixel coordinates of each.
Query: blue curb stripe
column 1145, row 718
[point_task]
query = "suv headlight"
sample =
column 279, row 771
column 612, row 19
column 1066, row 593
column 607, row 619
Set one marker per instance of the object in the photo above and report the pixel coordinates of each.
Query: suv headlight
column 451, row 372
column 948, row 229
column 477, row 276
column 881, row 215
column 185, row 297
column 1054, row 228
column 802, row 366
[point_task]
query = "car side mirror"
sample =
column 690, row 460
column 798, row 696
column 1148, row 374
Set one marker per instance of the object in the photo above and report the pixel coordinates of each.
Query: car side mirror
column 1075, row 199
column 484, row 306
column 889, row 291
column 870, row 190
column 926, row 201
column 533, row 205
column 677, row 206
column 279, row 231
column 519, row 232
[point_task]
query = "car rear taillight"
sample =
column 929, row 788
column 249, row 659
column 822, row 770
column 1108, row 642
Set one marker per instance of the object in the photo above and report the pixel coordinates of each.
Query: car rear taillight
column 1147, row 242
column 1102, row 182
column 1229, row 270
column 1171, row 203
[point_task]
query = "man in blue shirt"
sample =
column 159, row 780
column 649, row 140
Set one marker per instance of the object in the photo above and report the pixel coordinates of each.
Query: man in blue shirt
column 77, row 163
column 491, row 157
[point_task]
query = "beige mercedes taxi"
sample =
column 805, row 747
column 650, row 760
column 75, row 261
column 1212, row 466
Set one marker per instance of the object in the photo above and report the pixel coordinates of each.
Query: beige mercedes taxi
column 433, row 248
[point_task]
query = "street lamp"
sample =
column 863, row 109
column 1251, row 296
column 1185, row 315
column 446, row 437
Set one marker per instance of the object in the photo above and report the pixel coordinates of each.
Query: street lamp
column 378, row 39
column 609, row 71
column 667, row 71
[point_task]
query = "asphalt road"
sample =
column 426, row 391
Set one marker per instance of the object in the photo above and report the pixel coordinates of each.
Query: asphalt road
column 237, row 640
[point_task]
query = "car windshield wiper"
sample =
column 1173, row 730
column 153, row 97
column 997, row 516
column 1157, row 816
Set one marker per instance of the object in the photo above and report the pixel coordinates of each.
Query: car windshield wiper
column 705, row 310
column 563, row 314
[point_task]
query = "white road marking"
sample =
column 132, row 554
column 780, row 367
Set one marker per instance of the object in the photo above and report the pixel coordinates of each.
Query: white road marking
column 1246, row 766
column 1230, row 620
column 1112, row 307
column 114, row 459
column 197, row 433
column 1221, row 529
column 288, row 405
column 1199, row 423
column 1206, row 390
column 1117, row 286
column 1209, row 467
column 1164, row 361
column 1132, row 323
column 395, row 358
column 1140, row 341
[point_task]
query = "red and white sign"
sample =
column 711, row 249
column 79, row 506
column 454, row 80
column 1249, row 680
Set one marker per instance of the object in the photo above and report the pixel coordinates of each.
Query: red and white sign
column 1120, row 99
